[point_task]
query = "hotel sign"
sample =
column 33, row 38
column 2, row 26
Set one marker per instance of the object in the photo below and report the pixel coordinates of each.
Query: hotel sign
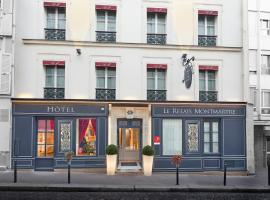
column 177, row 111
column 60, row 109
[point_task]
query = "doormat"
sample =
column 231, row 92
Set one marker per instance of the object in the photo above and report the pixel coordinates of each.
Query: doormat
column 129, row 164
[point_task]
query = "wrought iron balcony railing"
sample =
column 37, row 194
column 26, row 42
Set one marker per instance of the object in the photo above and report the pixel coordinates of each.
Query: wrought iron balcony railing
column 208, row 96
column 105, row 94
column 265, row 110
column 156, row 95
column 207, row 40
column 156, row 39
column 54, row 93
column 105, row 36
column 55, row 34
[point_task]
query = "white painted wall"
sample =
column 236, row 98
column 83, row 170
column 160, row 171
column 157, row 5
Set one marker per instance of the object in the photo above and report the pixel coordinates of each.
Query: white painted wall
column 132, row 58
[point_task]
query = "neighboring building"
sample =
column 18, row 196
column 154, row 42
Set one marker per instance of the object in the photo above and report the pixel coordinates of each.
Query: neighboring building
column 95, row 72
column 6, row 63
column 259, row 69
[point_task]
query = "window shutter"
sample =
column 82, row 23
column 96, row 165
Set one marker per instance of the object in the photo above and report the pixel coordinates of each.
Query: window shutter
column 5, row 78
column 7, row 6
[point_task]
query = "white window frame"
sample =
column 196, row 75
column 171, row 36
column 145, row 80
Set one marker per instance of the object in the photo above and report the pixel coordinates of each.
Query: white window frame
column 206, row 24
column 106, row 20
column 56, row 24
column 106, row 79
column 267, row 29
column 206, row 81
column 262, row 101
column 267, row 66
column 156, row 24
column 55, row 77
column 156, row 78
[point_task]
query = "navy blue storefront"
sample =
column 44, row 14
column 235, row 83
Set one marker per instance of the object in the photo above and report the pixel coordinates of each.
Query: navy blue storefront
column 44, row 131
column 208, row 135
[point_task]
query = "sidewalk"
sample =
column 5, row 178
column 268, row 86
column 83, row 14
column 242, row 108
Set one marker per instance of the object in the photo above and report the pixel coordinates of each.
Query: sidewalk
column 157, row 180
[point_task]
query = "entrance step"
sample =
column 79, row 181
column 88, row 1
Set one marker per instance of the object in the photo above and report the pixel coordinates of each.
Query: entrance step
column 127, row 167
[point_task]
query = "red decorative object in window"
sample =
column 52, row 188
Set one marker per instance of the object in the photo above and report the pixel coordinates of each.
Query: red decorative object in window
column 54, row 4
column 157, row 10
column 105, row 65
column 208, row 12
column 208, row 67
column 53, row 63
column 106, row 7
column 157, row 66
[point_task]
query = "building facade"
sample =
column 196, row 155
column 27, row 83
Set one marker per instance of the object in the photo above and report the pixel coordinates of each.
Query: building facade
column 259, row 69
column 6, row 63
column 132, row 73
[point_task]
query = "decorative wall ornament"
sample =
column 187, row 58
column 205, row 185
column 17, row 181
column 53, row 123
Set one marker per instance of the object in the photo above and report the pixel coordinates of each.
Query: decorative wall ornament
column 188, row 70
column 65, row 129
column 193, row 138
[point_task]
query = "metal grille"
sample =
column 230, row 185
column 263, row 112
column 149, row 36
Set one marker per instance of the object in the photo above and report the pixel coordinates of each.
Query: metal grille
column 156, row 95
column 105, row 36
column 54, row 93
column 55, row 34
column 207, row 40
column 208, row 96
column 4, row 115
column 156, row 38
column 105, row 94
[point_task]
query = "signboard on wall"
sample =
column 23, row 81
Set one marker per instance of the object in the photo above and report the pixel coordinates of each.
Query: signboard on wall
column 156, row 140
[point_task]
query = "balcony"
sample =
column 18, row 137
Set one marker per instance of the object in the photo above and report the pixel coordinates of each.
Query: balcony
column 54, row 93
column 55, row 34
column 208, row 96
column 207, row 40
column 156, row 95
column 157, row 39
column 105, row 94
column 106, row 36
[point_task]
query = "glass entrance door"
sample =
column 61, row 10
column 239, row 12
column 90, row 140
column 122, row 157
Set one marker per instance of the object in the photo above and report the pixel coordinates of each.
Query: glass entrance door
column 129, row 144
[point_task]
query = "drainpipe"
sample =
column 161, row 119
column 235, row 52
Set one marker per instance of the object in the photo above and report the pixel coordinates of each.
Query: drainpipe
column 259, row 96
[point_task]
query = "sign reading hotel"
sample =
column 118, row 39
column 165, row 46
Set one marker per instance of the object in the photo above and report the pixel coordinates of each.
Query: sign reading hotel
column 198, row 111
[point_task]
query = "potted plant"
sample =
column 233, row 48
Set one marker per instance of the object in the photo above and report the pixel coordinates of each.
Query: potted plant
column 148, row 157
column 111, row 159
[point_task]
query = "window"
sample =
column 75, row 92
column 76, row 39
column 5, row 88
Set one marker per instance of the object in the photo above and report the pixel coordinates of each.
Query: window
column 45, row 138
column 156, row 28
column 265, row 65
column 172, row 137
column 206, row 30
column 55, row 82
column 56, row 23
column 207, row 84
column 156, row 79
column 156, row 84
column 265, row 102
column 86, row 137
column 211, row 137
column 106, row 26
column 265, row 27
column 106, row 83
column 253, row 96
column 55, row 77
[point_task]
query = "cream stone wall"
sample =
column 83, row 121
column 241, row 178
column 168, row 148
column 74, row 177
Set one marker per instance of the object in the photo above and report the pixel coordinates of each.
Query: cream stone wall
column 139, row 113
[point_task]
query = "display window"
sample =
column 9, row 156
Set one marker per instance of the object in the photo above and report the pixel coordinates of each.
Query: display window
column 45, row 138
column 86, row 137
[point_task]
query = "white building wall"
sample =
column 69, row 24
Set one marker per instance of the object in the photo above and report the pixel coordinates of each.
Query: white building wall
column 6, row 63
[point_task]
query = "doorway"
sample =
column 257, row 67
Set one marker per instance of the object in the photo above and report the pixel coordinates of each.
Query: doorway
column 129, row 141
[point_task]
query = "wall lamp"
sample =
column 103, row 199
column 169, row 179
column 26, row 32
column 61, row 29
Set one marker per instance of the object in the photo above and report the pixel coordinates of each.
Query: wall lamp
column 79, row 51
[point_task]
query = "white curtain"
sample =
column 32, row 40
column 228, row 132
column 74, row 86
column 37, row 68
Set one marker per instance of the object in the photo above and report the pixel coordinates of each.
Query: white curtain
column 172, row 136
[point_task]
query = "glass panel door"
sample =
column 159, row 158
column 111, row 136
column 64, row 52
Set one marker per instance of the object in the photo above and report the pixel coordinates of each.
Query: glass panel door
column 129, row 144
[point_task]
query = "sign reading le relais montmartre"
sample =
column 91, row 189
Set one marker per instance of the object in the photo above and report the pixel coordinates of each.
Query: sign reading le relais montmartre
column 198, row 111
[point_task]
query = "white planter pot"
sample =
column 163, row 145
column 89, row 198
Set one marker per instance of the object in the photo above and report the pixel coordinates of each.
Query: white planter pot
column 111, row 164
column 147, row 165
